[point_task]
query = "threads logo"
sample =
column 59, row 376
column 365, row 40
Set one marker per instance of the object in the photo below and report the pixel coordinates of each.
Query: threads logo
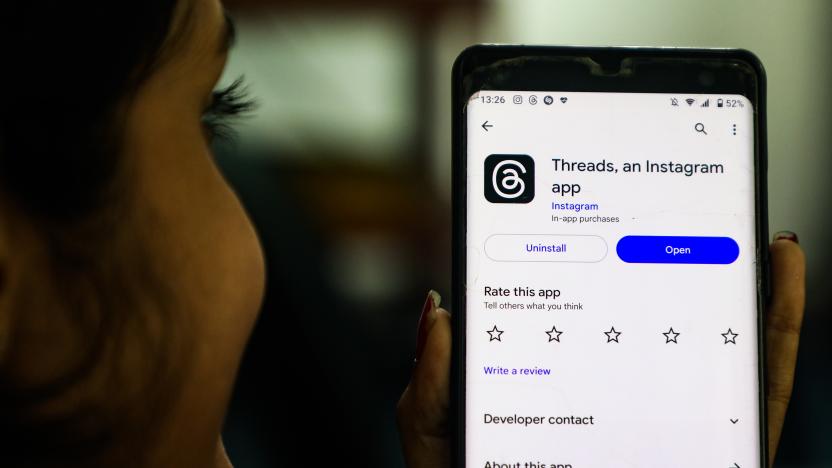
column 509, row 178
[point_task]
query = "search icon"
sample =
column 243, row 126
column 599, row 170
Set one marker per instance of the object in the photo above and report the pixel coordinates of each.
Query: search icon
column 700, row 128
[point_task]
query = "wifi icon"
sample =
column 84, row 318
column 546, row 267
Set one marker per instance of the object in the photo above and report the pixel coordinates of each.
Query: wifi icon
column 690, row 101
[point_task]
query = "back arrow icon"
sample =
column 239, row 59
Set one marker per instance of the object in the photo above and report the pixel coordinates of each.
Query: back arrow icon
column 486, row 126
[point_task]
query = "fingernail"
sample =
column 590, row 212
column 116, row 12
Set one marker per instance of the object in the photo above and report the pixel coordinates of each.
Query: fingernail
column 426, row 320
column 786, row 235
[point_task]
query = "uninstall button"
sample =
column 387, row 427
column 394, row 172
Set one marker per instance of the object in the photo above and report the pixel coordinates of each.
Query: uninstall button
column 545, row 248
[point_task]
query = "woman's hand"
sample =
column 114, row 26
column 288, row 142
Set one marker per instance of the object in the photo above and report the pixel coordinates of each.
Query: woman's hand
column 785, row 316
column 423, row 408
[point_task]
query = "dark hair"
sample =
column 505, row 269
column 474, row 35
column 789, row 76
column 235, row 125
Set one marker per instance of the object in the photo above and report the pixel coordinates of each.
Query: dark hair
column 68, row 66
column 70, row 69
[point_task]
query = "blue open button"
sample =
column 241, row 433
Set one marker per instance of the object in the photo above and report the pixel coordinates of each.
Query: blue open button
column 678, row 249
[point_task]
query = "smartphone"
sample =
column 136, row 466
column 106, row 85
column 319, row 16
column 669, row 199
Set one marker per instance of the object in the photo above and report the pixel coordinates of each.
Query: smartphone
column 610, row 257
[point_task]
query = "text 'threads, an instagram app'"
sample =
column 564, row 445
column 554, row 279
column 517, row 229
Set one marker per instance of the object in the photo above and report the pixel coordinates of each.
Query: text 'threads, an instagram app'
column 611, row 297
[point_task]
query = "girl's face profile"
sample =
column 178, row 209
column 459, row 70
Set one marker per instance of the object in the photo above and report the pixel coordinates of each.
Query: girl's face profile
column 181, row 224
column 192, row 222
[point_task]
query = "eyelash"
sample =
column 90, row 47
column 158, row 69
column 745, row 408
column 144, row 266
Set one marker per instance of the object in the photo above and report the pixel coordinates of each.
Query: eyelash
column 227, row 104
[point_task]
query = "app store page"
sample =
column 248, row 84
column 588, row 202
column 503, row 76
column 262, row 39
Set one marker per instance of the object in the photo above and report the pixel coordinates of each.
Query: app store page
column 611, row 308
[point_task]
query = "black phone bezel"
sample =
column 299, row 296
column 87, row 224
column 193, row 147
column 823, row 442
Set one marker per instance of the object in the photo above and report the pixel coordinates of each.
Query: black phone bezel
column 599, row 69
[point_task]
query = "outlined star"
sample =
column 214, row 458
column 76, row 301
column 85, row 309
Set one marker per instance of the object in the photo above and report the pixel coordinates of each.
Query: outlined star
column 671, row 336
column 494, row 334
column 612, row 335
column 730, row 337
column 554, row 334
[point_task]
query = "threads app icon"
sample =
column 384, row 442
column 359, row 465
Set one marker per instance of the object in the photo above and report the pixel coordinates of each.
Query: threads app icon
column 509, row 178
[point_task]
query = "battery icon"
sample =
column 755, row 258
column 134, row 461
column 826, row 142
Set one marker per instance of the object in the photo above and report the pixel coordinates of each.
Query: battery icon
column 719, row 102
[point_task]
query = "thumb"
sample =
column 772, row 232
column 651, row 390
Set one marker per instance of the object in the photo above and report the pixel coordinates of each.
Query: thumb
column 423, row 408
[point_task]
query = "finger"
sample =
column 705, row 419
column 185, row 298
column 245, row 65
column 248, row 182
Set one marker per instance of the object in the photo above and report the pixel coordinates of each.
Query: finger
column 423, row 408
column 431, row 377
column 785, row 316
column 783, row 322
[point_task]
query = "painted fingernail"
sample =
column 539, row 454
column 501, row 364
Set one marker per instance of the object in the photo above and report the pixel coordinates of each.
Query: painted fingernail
column 786, row 235
column 426, row 320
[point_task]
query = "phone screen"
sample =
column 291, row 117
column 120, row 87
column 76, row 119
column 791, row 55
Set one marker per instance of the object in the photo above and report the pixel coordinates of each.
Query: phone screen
column 611, row 281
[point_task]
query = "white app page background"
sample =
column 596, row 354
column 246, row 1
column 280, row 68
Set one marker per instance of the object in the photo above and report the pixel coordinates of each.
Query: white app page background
column 643, row 400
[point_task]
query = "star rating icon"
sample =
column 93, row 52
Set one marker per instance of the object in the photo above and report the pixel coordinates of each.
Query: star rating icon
column 612, row 335
column 494, row 334
column 554, row 334
column 671, row 336
column 730, row 337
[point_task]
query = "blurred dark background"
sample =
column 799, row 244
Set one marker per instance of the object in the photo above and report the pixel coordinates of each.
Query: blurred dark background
column 345, row 170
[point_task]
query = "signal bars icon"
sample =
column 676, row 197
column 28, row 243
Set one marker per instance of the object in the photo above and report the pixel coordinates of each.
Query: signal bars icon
column 691, row 101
